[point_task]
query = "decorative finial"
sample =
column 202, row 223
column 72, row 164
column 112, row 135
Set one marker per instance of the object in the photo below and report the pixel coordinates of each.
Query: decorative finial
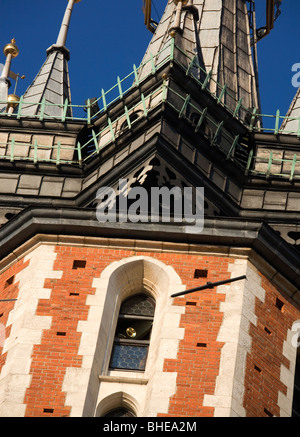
column 11, row 49
column 12, row 103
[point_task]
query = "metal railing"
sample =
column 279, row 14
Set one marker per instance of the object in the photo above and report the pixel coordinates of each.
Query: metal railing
column 14, row 150
column 42, row 110
column 111, row 130
column 275, row 167
column 122, row 86
column 87, row 113
column 233, row 150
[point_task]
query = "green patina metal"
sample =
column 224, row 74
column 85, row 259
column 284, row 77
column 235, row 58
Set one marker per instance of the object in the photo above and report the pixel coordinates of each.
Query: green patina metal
column 118, row 92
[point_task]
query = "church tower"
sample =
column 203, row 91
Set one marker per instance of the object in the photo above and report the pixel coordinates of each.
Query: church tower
column 149, row 260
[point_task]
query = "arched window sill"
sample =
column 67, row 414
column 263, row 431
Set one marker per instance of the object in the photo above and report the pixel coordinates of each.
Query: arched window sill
column 123, row 379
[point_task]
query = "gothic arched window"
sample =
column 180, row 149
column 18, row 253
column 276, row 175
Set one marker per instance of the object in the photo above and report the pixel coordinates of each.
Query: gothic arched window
column 120, row 412
column 132, row 336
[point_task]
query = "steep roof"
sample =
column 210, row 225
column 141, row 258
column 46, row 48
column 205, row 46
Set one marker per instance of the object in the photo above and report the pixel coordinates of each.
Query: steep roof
column 218, row 32
column 52, row 84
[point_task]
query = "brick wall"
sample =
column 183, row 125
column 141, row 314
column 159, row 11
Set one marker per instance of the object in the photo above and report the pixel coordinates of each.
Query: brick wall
column 199, row 353
column 9, row 289
column 198, row 359
column 275, row 316
column 59, row 347
column 60, row 344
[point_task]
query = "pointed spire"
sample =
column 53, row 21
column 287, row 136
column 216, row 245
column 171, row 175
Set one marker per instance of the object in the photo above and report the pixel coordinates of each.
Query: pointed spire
column 62, row 36
column 63, row 33
column 172, row 25
column 184, row 30
column 52, row 83
column 220, row 38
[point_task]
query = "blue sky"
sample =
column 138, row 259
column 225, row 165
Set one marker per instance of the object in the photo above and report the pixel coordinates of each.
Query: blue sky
column 106, row 38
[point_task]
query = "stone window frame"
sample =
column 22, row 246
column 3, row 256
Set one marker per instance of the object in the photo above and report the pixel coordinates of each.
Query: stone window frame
column 115, row 401
column 132, row 319
column 88, row 387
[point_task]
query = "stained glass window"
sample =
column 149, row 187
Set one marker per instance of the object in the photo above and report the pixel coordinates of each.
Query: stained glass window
column 132, row 334
column 125, row 356
column 140, row 305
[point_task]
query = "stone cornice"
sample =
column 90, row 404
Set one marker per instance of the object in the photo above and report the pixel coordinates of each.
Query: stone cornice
column 253, row 239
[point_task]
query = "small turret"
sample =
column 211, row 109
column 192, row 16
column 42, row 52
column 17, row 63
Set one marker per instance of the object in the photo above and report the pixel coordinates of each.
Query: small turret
column 221, row 39
column 52, row 84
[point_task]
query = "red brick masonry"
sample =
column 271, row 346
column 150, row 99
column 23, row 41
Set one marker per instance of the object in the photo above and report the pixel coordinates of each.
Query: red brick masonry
column 198, row 359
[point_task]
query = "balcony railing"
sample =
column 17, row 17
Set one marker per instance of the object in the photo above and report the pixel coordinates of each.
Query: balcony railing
column 265, row 166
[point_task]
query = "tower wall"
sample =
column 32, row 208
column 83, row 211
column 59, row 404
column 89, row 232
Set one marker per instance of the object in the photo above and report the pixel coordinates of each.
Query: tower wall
column 189, row 119
column 220, row 352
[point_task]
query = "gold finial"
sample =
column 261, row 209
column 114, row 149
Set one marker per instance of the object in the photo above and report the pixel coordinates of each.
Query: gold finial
column 11, row 48
column 12, row 102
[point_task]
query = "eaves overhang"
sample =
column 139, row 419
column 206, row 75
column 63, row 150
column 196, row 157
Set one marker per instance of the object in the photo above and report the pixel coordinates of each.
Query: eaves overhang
column 269, row 139
column 219, row 232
